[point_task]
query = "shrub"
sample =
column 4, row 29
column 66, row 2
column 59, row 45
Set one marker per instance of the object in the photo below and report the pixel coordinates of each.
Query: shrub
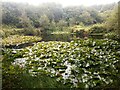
column 98, row 28
column 112, row 35
column 80, row 32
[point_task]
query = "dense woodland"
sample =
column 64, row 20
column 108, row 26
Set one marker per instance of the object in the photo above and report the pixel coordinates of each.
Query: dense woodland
column 49, row 17
column 89, row 59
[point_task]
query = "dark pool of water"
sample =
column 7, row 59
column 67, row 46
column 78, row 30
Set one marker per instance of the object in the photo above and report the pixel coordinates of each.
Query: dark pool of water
column 67, row 37
column 61, row 37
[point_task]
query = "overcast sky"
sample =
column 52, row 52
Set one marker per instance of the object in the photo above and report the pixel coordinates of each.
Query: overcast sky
column 67, row 2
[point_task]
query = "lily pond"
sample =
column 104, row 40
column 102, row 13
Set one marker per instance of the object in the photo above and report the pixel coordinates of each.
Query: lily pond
column 82, row 63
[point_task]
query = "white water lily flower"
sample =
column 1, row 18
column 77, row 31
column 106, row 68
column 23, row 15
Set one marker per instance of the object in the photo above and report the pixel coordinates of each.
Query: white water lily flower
column 68, row 70
column 14, row 51
column 87, row 64
column 20, row 61
column 93, row 43
column 66, row 63
column 30, row 53
column 73, row 67
column 36, row 59
column 106, row 59
column 74, row 81
column 100, row 56
column 65, row 76
column 88, row 56
column 53, row 71
column 39, row 68
column 86, row 86
column 99, row 77
column 95, row 73
column 84, row 80
column 76, row 44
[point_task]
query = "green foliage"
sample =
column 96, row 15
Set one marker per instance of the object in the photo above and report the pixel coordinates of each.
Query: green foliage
column 97, row 29
column 118, row 30
column 81, row 33
column 12, row 30
column 44, row 21
column 10, row 13
column 76, row 28
column 17, row 40
column 15, row 77
column 80, row 64
column 112, row 22
column 112, row 35
column 16, row 13
column 77, row 64
column 29, row 31
column 5, row 32
column 50, row 19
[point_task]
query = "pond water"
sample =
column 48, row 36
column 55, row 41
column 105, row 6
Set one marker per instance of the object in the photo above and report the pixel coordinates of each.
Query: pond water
column 61, row 37
column 67, row 37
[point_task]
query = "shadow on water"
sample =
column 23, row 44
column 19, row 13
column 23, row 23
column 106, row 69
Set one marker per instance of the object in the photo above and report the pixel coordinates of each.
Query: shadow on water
column 61, row 37
column 68, row 37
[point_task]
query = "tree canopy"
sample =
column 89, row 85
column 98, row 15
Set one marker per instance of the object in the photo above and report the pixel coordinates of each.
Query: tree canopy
column 13, row 13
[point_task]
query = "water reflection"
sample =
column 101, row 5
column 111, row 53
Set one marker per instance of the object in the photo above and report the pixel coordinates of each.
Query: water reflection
column 61, row 37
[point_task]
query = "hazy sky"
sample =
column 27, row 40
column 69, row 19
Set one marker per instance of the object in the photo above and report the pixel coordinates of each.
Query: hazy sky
column 67, row 2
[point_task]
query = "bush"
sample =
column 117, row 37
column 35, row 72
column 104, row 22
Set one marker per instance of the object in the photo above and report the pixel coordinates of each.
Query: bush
column 81, row 32
column 5, row 32
column 98, row 28
column 112, row 35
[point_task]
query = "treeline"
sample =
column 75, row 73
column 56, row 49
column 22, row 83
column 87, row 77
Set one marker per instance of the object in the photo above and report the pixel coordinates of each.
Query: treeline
column 52, row 16
column 49, row 13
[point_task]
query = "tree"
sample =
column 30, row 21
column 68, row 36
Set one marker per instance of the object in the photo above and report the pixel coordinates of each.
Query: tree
column 44, row 21
column 10, row 14
column 118, row 19
column 112, row 20
column 26, row 24
column 61, row 24
column 45, row 24
column 72, row 21
column 53, row 26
